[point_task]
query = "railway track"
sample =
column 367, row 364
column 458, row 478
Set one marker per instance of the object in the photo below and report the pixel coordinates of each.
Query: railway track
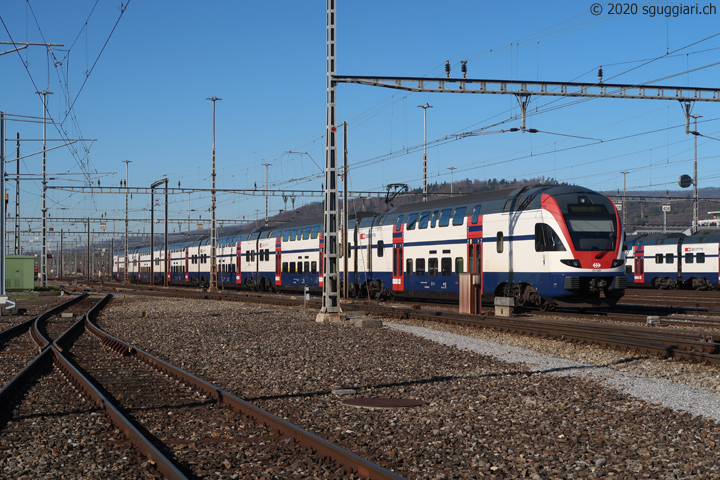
column 689, row 346
column 186, row 427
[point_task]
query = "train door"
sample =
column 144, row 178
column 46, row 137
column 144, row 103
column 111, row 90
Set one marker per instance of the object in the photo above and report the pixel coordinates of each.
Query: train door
column 278, row 256
column 238, row 270
column 398, row 282
column 321, row 264
column 168, row 266
column 474, row 249
column 681, row 260
column 640, row 264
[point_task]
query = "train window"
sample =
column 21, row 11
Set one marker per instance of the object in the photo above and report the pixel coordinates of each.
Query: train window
column 299, row 267
column 285, row 267
column 659, row 258
column 689, row 258
column 286, row 235
column 420, row 266
column 293, row 234
column 546, row 240
column 306, row 233
column 459, row 265
column 424, row 218
column 459, row 217
column 412, row 220
column 476, row 214
column 315, row 231
column 292, row 267
column 499, row 244
column 409, row 266
column 432, row 266
column 349, row 249
column 446, row 266
column 669, row 258
column 700, row 258
column 306, row 266
column 380, row 248
column 399, row 223
column 592, row 231
column 267, row 254
column 433, row 219
column 313, row 267
column 445, row 217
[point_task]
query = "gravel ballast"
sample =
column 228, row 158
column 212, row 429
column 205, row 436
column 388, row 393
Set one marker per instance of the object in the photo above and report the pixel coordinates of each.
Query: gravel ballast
column 494, row 410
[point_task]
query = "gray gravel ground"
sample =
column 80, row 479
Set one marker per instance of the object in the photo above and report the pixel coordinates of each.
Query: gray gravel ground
column 493, row 411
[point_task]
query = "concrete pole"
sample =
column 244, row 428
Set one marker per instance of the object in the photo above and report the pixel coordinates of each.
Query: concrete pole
column 451, row 179
column 18, row 248
column 2, row 210
column 346, row 248
column 695, row 181
column 624, row 172
column 266, row 192
column 127, row 191
column 43, row 259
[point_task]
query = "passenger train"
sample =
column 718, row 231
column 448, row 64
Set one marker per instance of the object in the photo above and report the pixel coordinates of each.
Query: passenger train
column 674, row 260
column 547, row 246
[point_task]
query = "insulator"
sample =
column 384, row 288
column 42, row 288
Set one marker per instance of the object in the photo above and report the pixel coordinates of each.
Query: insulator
column 464, row 68
column 447, row 68
column 600, row 74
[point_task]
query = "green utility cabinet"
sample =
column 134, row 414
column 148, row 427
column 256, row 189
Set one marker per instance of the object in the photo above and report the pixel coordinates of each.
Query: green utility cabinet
column 19, row 272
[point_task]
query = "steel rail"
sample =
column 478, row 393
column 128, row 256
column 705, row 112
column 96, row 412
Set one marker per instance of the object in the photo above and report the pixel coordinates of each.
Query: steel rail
column 668, row 346
column 665, row 346
column 38, row 334
column 53, row 354
column 129, row 431
column 351, row 462
column 11, row 388
column 71, row 371
column 686, row 341
column 17, row 330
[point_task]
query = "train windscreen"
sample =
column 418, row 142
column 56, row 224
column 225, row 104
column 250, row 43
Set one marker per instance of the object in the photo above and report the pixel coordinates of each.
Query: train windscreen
column 592, row 232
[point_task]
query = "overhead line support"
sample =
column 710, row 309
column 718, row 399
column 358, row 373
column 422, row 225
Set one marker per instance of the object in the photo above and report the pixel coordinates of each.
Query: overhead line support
column 524, row 87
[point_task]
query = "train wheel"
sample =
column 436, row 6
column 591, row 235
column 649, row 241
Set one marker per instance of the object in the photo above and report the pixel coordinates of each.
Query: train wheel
column 546, row 306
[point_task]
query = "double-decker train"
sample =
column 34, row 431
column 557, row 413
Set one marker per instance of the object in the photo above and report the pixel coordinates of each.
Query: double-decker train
column 674, row 260
column 547, row 246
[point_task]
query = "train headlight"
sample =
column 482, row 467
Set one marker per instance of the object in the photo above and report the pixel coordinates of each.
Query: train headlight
column 618, row 263
column 572, row 263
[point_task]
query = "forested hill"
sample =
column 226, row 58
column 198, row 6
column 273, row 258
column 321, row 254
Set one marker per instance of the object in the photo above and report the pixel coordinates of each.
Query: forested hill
column 643, row 207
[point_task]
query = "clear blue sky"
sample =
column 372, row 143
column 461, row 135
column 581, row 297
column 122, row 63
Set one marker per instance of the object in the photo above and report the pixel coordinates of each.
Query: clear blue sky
column 144, row 99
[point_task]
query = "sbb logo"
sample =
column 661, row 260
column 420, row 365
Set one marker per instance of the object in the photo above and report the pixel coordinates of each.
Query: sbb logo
column 596, row 265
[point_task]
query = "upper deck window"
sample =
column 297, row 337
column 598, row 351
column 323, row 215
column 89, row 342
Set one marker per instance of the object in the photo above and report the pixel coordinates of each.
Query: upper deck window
column 412, row 221
column 459, row 217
